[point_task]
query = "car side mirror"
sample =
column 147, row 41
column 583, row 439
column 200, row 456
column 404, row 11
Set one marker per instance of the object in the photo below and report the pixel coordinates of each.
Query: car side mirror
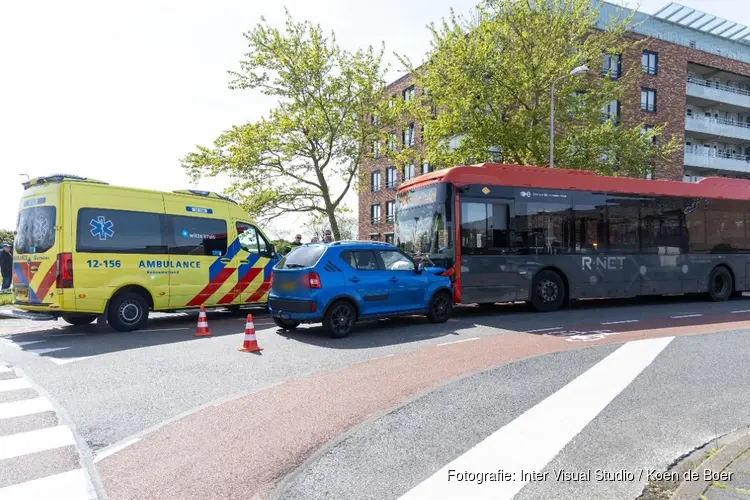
column 420, row 268
column 271, row 249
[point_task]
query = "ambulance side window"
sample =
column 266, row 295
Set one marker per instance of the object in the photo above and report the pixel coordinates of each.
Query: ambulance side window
column 251, row 240
column 198, row 236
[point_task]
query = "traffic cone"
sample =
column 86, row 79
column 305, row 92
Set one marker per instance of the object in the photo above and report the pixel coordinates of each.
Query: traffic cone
column 250, row 344
column 202, row 330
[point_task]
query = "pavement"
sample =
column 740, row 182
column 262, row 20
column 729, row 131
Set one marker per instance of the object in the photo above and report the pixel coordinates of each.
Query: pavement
column 380, row 413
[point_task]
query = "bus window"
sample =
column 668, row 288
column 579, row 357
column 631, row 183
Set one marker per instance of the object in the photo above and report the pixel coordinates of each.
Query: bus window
column 725, row 226
column 622, row 224
column 661, row 225
column 589, row 232
column 542, row 227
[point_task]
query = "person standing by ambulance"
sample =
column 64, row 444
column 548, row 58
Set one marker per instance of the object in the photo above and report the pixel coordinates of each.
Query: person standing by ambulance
column 6, row 267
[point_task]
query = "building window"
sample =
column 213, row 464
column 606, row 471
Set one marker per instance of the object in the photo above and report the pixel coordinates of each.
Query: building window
column 648, row 100
column 376, row 149
column 650, row 62
column 390, row 211
column 407, row 137
column 392, row 142
column 409, row 171
column 408, row 94
column 375, row 237
column 611, row 111
column 375, row 181
column 692, row 44
column 612, row 65
column 495, row 155
column 375, row 213
column 390, row 178
column 425, row 167
column 648, row 129
column 389, row 238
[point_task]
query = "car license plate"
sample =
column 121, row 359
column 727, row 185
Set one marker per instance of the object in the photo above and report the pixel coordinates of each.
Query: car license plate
column 288, row 285
column 22, row 293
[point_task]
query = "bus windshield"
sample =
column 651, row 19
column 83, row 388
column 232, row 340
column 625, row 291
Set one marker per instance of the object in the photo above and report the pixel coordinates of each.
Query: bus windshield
column 424, row 224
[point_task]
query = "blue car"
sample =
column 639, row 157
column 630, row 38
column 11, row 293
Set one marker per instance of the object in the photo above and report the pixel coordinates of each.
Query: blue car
column 340, row 283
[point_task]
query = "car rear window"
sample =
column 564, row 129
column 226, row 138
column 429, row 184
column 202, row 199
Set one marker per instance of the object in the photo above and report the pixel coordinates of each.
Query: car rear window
column 35, row 231
column 302, row 257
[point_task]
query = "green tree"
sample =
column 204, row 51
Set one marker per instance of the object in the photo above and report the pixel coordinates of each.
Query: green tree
column 303, row 156
column 7, row 236
column 489, row 80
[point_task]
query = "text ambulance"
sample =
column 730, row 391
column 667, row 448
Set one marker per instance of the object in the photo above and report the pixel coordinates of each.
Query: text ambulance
column 84, row 248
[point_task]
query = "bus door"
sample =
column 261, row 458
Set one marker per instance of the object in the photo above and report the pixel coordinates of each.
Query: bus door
column 489, row 272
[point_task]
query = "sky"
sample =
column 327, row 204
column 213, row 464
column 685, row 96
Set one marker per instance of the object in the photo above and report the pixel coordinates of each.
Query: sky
column 120, row 90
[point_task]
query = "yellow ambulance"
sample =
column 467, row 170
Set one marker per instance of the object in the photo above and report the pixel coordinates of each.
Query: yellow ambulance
column 86, row 250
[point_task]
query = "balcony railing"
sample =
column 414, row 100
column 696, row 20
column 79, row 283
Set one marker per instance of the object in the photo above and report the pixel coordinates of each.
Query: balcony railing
column 650, row 107
column 720, row 127
column 648, row 70
column 391, row 185
column 374, row 219
column 390, row 218
column 698, row 156
column 721, row 121
column 718, row 86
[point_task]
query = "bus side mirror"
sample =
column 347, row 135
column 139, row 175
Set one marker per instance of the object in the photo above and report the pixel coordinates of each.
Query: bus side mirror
column 420, row 268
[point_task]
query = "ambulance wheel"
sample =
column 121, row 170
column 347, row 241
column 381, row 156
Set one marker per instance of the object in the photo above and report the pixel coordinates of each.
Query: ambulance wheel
column 79, row 319
column 128, row 311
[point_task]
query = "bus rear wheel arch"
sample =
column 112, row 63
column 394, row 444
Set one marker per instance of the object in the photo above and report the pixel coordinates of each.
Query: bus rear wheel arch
column 548, row 291
column 128, row 309
column 720, row 284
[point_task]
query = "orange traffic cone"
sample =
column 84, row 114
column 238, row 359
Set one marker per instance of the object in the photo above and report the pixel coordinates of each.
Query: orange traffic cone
column 202, row 330
column 250, row 344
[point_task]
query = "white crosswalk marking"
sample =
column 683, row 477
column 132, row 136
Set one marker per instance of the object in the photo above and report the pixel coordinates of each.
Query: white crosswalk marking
column 25, row 407
column 25, row 443
column 5, row 369
column 532, row 440
column 57, row 474
column 71, row 485
column 14, row 384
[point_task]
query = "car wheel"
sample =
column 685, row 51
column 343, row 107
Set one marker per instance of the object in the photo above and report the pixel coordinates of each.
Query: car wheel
column 548, row 292
column 128, row 312
column 441, row 306
column 720, row 284
column 339, row 319
column 286, row 324
column 79, row 319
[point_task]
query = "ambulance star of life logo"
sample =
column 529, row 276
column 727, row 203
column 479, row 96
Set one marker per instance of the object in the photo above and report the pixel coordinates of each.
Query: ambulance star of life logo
column 102, row 228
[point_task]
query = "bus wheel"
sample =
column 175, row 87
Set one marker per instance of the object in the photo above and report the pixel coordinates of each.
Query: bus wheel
column 720, row 285
column 128, row 312
column 548, row 292
column 79, row 319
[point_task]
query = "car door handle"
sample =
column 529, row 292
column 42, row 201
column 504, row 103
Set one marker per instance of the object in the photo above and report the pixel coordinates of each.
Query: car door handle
column 394, row 279
column 354, row 279
column 225, row 260
column 244, row 261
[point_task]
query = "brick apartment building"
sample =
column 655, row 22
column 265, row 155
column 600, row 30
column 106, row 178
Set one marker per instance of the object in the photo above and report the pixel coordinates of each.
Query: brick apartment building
column 695, row 77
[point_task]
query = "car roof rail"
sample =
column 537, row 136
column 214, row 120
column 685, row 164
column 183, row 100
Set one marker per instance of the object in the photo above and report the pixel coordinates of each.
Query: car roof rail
column 205, row 194
column 360, row 242
column 38, row 181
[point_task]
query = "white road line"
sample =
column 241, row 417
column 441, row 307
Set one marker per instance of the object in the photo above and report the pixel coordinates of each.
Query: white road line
column 14, row 384
column 46, row 350
column 532, row 440
column 114, row 449
column 685, row 316
column 5, row 369
column 742, row 311
column 29, row 442
column 544, row 329
column 71, row 485
column 25, row 407
column 459, row 341
column 25, row 343
column 65, row 361
column 162, row 330
column 620, row 322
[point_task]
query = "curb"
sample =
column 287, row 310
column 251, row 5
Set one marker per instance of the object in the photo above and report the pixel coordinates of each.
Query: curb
column 731, row 446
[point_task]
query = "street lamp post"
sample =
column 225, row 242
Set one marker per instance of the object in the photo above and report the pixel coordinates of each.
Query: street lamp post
column 575, row 71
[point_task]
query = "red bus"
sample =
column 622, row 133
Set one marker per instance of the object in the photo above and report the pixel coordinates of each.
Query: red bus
column 518, row 233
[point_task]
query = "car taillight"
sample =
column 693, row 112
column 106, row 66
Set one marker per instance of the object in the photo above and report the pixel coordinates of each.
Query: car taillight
column 270, row 279
column 64, row 270
column 313, row 280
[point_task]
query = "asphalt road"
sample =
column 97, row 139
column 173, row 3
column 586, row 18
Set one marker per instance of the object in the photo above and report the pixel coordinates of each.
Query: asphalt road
column 163, row 383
